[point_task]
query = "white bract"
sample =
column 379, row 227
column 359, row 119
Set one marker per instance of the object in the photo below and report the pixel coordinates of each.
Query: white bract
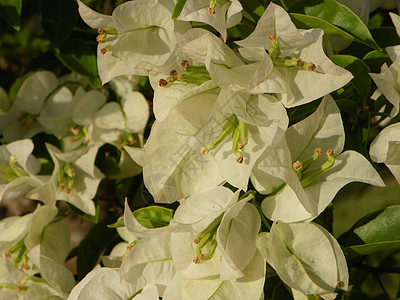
column 286, row 44
column 240, row 127
column 386, row 149
column 21, row 120
column 306, row 257
column 151, row 257
column 248, row 287
column 219, row 14
column 105, row 283
column 185, row 73
column 75, row 179
column 170, row 171
column 119, row 52
column 212, row 226
column 299, row 184
column 18, row 169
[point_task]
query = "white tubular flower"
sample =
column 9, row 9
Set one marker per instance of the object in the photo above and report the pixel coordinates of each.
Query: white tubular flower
column 386, row 149
column 298, row 182
column 248, row 287
column 298, row 56
column 306, row 257
column 219, row 14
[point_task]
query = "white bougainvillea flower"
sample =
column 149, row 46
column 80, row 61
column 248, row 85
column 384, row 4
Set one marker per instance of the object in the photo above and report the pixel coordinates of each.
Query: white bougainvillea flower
column 170, row 170
column 118, row 50
column 306, row 257
column 18, row 169
column 125, row 84
column 216, row 236
column 9, row 279
column 151, row 257
column 298, row 182
column 105, row 283
column 114, row 122
column 219, row 14
column 55, row 281
column 185, row 73
column 20, row 121
column 249, row 287
column 75, row 178
column 388, row 84
column 56, row 113
column 303, row 49
column 50, row 255
column 254, row 122
column 386, row 149
column 20, row 234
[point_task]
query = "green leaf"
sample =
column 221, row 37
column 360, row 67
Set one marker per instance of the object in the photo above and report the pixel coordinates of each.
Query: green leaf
column 150, row 217
column 367, row 249
column 336, row 14
column 178, row 9
column 154, row 216
column 77, row 56
column 375, row 59
column 287, row 4
column 348, row 106
column 252, row 10
column 119, row 223
column 90, row 248
column 10, row 11
column 376, row 232
column 58, row 19
column 361, row 80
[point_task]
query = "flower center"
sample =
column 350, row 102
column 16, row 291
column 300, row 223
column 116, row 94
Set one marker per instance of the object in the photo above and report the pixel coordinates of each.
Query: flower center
column 287, row 61
column 239, row 131
column 190, row 74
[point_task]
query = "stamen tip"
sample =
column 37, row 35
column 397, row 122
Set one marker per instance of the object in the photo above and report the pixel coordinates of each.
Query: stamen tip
column 317, row 151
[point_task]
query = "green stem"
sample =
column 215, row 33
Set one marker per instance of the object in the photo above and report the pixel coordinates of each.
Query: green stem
column 263, row 218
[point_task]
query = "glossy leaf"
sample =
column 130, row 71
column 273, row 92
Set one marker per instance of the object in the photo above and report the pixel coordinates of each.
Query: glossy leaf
column 77, row 56
column 10, row 11
column 153, row 216
column 375, row 59
column 361, row 80
column 376, row 232
column 58, row 18
column 150, row 217
column 337, row 15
